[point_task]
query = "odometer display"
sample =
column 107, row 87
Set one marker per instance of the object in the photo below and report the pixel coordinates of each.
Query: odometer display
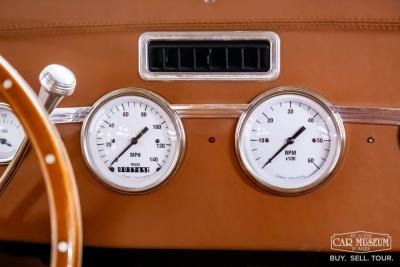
column 289, row 140
column 132, row 140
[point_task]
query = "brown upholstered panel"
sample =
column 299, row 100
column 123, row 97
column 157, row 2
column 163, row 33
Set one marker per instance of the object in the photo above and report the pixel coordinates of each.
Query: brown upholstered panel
column 346, row 50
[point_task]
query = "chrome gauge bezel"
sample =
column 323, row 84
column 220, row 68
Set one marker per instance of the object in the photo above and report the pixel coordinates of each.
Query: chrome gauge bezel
column 6, row 106
column 158, row 100
column 314, row 96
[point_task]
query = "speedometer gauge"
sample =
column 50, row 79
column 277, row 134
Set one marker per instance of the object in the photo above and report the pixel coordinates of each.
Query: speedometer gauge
column 11, row 134
column 290, row 140
column 132, row 140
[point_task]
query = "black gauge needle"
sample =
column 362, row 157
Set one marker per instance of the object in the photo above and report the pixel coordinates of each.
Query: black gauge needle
column 134, row 141
column 4, row 141
column 289, row 141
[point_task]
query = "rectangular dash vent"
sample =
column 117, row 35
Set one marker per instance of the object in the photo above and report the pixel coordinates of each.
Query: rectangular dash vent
column 209, row 56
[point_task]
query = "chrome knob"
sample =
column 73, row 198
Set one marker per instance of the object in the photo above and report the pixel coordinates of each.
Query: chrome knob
column 56, row 82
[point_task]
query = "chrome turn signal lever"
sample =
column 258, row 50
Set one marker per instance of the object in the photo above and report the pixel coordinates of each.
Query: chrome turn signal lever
column 56, row 82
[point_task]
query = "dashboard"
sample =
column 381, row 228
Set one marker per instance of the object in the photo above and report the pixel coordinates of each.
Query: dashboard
column 280, row 161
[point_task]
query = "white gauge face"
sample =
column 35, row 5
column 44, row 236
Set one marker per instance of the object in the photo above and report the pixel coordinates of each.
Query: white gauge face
column 11, row 134
column 289, row 141
column 132, row 140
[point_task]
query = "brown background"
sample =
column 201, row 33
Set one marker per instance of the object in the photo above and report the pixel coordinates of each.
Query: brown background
column 346, row 50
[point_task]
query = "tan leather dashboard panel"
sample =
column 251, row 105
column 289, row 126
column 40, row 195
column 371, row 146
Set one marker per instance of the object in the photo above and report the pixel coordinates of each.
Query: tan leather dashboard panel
column 211, row 203
column 100, row 15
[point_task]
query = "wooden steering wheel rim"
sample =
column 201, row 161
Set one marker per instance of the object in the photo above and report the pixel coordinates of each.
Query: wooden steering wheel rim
column 65, row 213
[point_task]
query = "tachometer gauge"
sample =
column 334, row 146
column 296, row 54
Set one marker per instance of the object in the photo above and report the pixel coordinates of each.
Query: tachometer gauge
column 132, row 140
column 289, row 140
column 11, row 134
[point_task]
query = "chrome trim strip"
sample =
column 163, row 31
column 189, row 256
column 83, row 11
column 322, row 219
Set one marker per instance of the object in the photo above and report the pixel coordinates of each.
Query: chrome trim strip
column 356, row 114
column 69, row 115
column 369, row 115
column 272, row 74
column 211, row 111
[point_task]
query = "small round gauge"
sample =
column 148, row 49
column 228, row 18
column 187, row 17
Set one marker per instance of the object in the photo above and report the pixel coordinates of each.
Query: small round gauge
column 290, row 140
column 11, row 134
column 132, row 140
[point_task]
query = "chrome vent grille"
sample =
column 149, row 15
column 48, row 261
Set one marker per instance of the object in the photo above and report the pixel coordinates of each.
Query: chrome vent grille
column 209, row 56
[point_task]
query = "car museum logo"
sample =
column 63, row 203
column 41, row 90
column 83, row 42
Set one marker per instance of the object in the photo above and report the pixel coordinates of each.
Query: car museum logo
column 361, row 242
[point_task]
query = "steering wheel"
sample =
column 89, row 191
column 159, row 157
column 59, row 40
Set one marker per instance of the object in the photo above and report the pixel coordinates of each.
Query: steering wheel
column 65, row 212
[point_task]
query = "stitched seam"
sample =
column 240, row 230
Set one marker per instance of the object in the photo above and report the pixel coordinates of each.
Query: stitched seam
column 243, row 20
column 222, row 25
